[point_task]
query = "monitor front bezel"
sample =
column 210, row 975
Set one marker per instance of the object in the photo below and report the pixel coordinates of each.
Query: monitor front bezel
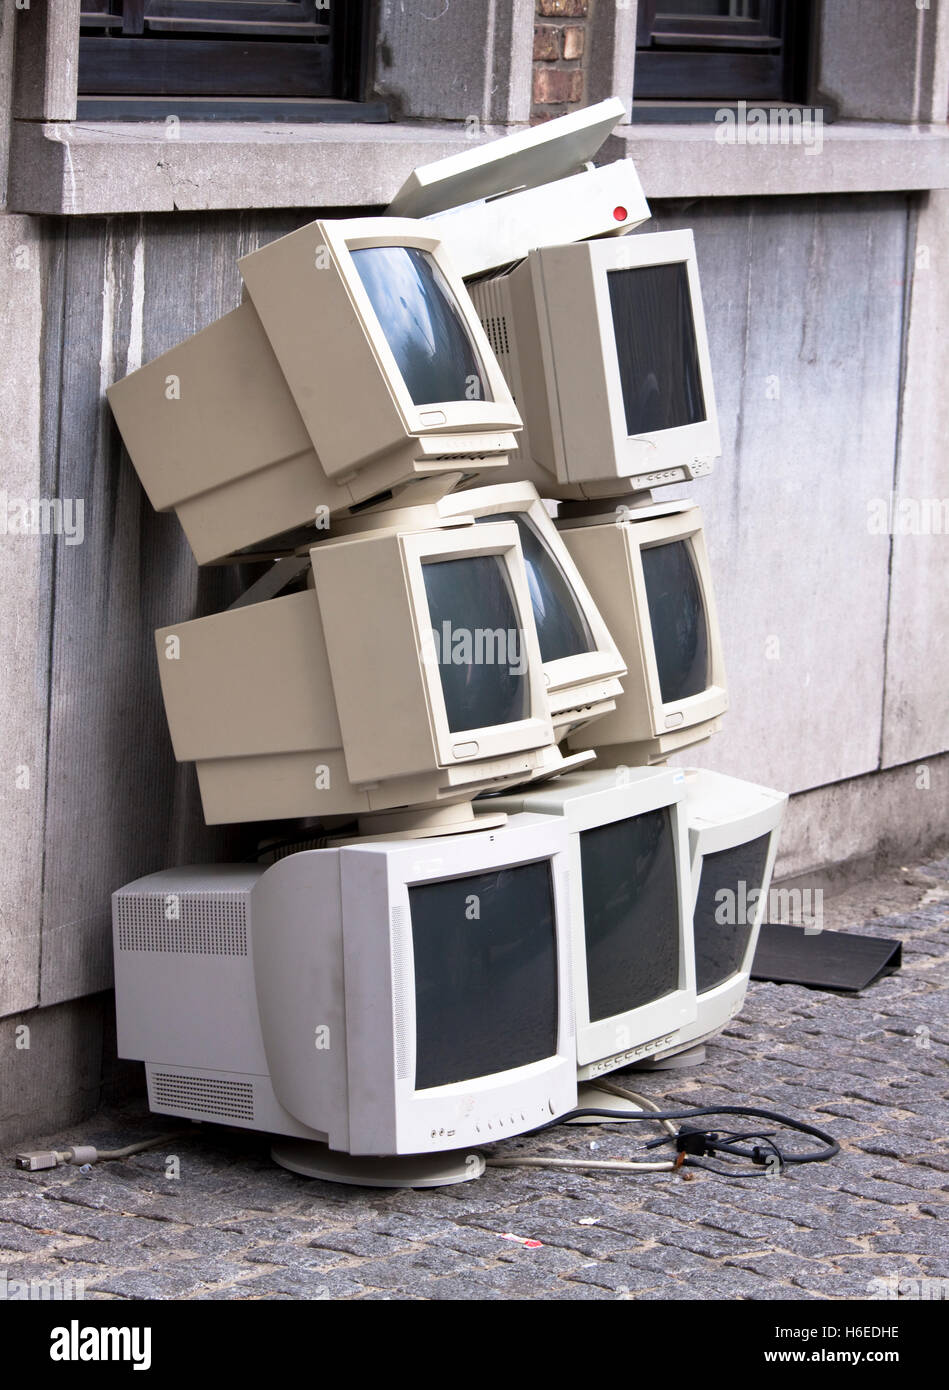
column 749, row 811
column 343, row 237
column 492, row 741
column 585, row 801
column 689, row 448
column 604, row 662
column 385, row 1107
column 710, row 703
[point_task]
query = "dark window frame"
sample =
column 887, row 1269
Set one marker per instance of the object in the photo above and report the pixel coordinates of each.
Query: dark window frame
column 225, row 60
column 722, row 59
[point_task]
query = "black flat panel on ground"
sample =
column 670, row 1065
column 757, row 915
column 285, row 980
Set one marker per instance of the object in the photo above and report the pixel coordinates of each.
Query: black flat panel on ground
column 825, row 960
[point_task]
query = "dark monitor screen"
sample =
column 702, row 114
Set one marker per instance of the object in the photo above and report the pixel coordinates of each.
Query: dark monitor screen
column 562, row 627
column 479, row 642
column 485, row 973
column 677, row 618
column 725, row 910
column 423, row 325
column 656, row 347
column 630, row 912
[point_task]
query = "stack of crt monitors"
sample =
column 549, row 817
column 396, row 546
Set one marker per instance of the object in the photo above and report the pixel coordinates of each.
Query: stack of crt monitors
column 458, row 708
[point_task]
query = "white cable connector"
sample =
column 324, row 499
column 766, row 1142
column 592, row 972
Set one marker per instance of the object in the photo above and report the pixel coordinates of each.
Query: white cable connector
column 81, row 1155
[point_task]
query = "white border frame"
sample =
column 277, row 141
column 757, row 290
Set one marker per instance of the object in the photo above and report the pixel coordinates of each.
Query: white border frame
column 713, row 701
column 502, row 540
column 605, row 662
column 638, row 455
column 460, row 417
column 585, row 801
column 737, row 827
column 384, row 1109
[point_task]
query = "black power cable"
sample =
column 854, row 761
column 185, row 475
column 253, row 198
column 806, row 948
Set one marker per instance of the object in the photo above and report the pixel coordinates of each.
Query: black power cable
column 696, row 1144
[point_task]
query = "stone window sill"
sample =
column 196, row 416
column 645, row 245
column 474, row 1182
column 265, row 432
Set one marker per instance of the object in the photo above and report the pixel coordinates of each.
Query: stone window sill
column 85, row 168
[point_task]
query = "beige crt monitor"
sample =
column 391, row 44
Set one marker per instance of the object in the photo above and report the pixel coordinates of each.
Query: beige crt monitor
column 385, row 686
column 649, row 575
column 582, row 665
column 355, row 365
column 604, row 346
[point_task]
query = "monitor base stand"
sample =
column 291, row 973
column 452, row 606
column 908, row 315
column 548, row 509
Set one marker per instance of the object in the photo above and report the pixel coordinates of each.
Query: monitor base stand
column 316, row 1160
column 590, row 1094
column 612, row 511
column 691, row 1057
column 419, row 823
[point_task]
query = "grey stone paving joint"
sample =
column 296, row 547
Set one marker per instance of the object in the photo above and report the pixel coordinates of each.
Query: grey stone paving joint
column 872, row 1069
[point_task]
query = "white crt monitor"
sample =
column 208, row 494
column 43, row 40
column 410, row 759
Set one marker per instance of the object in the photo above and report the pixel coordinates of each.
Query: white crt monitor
column 355, row 365
column 649, row 575
column 387, row 998
column 633, row 965
column 407, row 673
column 582, row 666
column 604, row 346
column 733, row 839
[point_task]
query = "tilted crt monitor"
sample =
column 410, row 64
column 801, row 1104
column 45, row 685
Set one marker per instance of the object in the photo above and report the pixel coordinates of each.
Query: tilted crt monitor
column 410, row 674
column 633, row 968
column 650, row 579
column 733, row 837
column 582, row 666
column 603, row 344
column 388, row 998
column 356, row 364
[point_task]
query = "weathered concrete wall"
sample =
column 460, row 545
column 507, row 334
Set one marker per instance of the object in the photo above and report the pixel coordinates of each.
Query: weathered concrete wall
column 804, row 299
column 806, row 308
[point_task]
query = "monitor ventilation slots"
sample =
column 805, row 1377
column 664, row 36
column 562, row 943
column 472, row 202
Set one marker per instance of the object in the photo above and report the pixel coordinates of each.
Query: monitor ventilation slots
column 489, row 884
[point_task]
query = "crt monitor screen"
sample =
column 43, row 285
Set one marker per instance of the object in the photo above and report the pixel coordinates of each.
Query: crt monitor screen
column 477, row 636
column 721, row 940
column 485, row 973
column 423, row 325
column 630, row 912
column 677, row 618
column 656, row 347
column 562, row 627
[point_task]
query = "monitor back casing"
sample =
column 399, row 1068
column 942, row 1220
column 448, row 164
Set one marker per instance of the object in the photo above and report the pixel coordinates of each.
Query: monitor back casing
column 283, row 1000
column 643, row 728
column 583, row 801
column 291, row 407
column 550, row 323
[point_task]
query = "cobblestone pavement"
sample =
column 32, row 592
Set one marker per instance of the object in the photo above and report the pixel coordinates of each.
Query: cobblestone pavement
column 872, row 1070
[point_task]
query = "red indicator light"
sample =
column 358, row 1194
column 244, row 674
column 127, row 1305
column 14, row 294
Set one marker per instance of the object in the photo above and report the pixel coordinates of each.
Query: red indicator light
column 620, row 214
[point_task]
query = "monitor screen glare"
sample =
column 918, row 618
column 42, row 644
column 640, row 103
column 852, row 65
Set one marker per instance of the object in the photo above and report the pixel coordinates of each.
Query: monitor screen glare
column 656, row 347
column 725, row 909
column 423, row 325
column 677, row 618
column 562, row 628
column 478, row 641
column 485, row 973
column 630, row 912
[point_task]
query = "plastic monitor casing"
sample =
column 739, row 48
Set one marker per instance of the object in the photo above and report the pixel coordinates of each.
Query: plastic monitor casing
column 529, row 158
column 584, row 800
column 724, row 813
column 292, row 403
column 495, row 232
column 643, row 728
column 579, row 688
column 329, row 701
column 284, row 1001
column 550, row 324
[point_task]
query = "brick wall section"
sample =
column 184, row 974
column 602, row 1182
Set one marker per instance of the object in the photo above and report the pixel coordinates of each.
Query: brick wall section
column 560, row 56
